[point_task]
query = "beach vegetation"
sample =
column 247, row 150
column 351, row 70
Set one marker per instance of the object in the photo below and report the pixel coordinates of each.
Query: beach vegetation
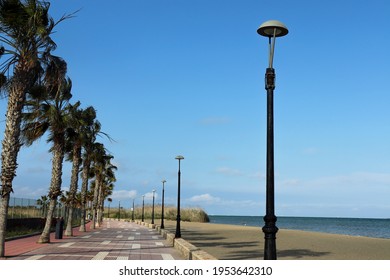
column 170, row 212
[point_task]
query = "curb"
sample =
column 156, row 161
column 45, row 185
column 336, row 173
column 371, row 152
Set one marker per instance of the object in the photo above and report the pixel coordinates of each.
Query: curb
column 186, row 249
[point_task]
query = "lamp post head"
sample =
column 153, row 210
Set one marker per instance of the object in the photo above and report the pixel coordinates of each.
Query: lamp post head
column 179, row 157
column 164, row 181
column 272, row 28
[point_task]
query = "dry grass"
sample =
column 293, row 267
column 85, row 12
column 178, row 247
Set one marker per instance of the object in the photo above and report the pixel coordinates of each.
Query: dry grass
column 170, row 213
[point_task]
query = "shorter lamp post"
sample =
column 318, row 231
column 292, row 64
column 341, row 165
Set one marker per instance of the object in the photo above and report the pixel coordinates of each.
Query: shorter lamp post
column 132, row 212
column 178, row 231
column 143, row 208
column 153, row 208
column 119, row 210
column 162, row 205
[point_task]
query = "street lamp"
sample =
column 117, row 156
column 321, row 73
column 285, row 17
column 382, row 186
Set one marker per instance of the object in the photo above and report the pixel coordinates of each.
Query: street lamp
column 153, row 208
column 162, row 205
column 178, row 232
column 143, row 208
column 270, row 29
column 119, row 215
column 132, row 213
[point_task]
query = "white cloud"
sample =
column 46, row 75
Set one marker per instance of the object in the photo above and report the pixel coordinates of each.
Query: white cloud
column 290, row 182
column 354, row 179
column 149, row 196
column 29, row 192
column 207, row 198
column 123, row 194
column 229, row 171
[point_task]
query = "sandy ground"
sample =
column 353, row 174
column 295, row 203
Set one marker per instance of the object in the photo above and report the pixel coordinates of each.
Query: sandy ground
column 229, row 242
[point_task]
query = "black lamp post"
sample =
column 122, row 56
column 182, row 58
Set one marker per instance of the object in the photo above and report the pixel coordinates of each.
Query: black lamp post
column 270, row 29
column 162, row 205
column 143, row 208
column 153, row 208
column 132, row 212
column 119, row 215
column 178, row 232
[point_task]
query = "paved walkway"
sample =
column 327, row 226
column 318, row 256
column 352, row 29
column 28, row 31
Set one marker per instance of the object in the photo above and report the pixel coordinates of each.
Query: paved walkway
column 114, row 240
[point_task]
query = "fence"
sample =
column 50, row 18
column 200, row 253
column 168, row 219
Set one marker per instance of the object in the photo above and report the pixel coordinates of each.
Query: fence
column 24, row 208
column 20, row 208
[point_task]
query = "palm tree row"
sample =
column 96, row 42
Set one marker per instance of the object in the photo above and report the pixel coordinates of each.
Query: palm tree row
column 39, row 103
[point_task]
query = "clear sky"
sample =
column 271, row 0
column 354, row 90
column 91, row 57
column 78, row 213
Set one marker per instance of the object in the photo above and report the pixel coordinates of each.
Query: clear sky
column 187, row 77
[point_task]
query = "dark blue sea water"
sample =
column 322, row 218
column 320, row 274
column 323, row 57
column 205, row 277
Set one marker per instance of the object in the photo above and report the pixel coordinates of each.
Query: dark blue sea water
column 378, row 228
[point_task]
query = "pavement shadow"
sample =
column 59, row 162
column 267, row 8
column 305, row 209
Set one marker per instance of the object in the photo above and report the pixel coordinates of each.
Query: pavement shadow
column 300, row 253
column 242, row 250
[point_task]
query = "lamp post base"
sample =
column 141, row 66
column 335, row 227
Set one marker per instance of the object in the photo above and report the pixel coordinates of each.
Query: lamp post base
column 270, row 231
column 178, row 231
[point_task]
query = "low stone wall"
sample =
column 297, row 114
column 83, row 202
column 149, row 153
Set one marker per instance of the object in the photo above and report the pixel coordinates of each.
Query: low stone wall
column 187, row 250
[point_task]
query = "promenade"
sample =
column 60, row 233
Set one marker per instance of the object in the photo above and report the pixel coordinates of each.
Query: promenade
column 114, row 240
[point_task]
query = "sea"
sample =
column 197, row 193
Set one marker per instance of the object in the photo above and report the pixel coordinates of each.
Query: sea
column 377, row 228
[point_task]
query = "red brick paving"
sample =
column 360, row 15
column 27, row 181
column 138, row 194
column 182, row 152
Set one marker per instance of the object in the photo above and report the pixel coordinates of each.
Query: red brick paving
column 26, row 244
column 114, row 240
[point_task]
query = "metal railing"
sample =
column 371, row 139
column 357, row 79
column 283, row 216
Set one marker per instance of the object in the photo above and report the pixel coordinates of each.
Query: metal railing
column 24, row 208
column 20, row 208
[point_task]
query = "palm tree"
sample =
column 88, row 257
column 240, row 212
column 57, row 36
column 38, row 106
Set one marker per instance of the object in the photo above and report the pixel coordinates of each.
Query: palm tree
column 98, row 157
column 81, row 120
column 47, row 109
column 91, row 133
column 43, row 201
column 105, row 190
column 104, row 176
column 25, row 30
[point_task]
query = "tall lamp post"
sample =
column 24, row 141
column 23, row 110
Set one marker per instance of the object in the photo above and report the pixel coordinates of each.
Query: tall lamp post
column 143, row 208
column 153, row 208
column 178, row 232
column 162, row 205
column 270, row 29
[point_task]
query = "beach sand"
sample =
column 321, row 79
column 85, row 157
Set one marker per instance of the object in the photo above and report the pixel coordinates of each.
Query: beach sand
column 230, row 242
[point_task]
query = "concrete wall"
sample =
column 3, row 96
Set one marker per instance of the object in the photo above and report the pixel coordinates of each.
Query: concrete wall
column 186, row 249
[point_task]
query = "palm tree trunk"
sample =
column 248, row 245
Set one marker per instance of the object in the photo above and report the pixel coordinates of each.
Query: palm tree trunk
column 99, row 204
column 73, row 187
column 10, row 149
column 95, row 202
column 84, row 189
column 55, row 186
column 3, row 221
column 101, row 212
column 45, row 236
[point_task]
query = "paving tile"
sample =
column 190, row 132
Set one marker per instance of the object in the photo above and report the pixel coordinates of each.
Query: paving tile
column 114, row 240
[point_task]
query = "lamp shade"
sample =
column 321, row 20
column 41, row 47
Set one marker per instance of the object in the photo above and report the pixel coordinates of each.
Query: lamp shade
column 267, row 29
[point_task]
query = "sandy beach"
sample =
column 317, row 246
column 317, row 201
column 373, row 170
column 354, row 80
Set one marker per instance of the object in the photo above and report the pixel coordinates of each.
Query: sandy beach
column 230, row 242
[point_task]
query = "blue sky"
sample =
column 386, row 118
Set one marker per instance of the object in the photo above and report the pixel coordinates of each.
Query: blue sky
column 187, row 77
